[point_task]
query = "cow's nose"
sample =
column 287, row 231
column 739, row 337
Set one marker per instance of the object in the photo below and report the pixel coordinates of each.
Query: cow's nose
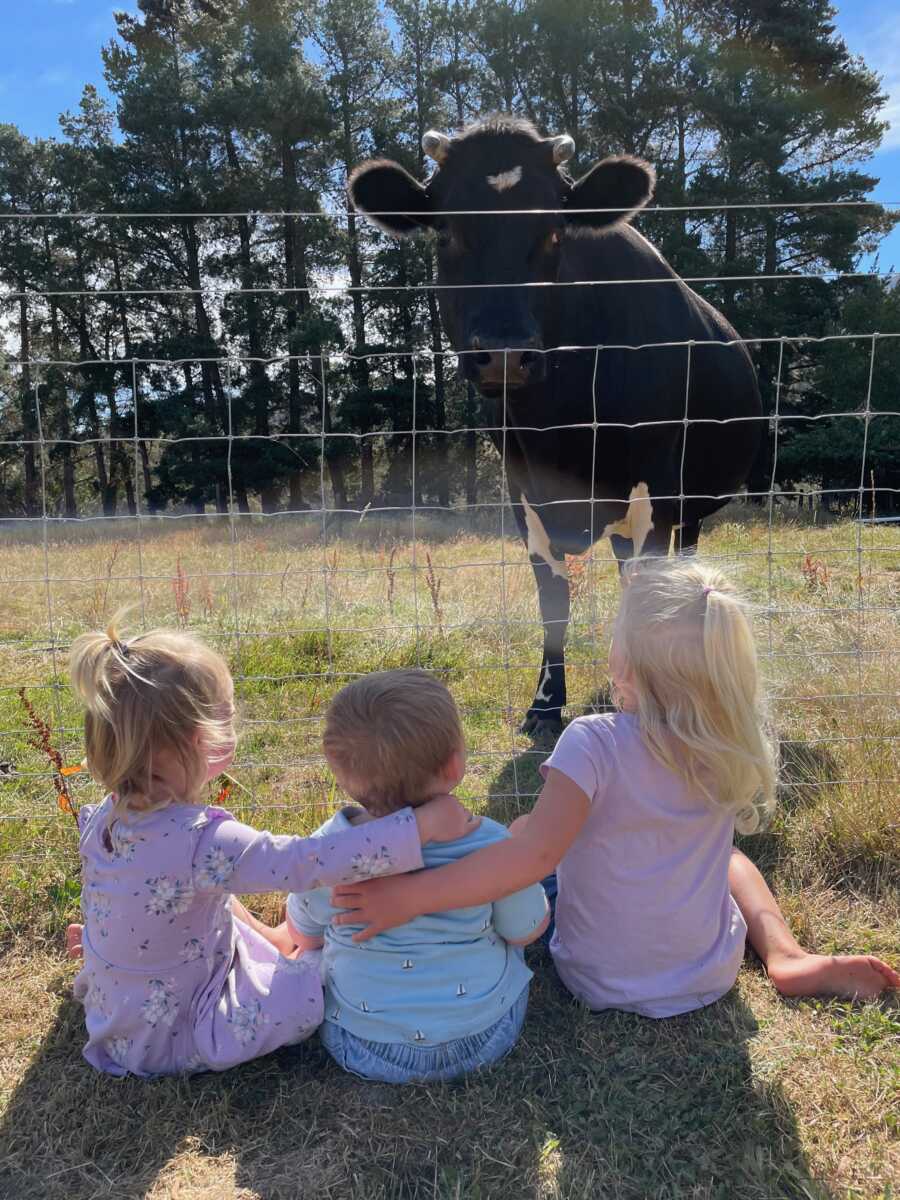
column 512, row 361
column 492, row 363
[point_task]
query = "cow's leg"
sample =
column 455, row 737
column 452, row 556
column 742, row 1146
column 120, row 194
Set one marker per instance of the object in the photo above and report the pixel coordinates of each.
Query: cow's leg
column 622, row 548
column 686, row 537
column 545, row 714
column 658, row 539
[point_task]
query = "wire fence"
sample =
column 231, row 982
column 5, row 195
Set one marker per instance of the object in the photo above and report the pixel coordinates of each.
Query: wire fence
column 307, row 597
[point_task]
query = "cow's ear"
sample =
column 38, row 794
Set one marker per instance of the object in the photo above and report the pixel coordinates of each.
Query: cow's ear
column 381, row 186
column 621, row 185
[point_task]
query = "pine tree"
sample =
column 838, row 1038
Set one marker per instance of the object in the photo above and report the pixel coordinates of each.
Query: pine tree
column 358, row 68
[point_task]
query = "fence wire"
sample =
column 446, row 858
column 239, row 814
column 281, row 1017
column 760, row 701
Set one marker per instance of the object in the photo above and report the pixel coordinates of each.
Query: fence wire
column 310, row 596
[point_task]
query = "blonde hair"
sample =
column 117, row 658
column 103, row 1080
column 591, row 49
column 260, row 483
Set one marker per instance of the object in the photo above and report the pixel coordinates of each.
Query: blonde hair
column 686, row 637
column 151, row 693
column 392, row 732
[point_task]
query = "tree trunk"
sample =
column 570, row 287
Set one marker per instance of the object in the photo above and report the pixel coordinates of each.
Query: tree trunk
column 66, row 450
column 731, row 235
column 299, row 304
column 145, row 471
column 214, row 403
column 29, row 419
column 359, row 367
column 441, row 477
column 259, row 380
column 198, row 505
column 127, row 464
column 56, row 383
column 106, row 486
column 129, row 493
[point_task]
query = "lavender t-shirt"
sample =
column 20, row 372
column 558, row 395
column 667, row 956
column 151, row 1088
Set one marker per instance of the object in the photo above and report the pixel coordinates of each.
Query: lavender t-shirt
column 644, row 918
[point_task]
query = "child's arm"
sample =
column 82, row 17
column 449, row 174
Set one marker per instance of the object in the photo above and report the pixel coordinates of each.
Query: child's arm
column 304, row 941
column 234, row 857
column 479, row 878
column 277, row 936
column 522, row 917
column 533, row 936
column 303, row 918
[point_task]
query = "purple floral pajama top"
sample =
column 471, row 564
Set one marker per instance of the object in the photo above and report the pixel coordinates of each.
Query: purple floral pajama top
column 171, row 980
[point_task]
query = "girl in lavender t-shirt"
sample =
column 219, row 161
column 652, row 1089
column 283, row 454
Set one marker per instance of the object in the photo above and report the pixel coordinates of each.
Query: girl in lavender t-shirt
column 177, row 975
column 639, row 810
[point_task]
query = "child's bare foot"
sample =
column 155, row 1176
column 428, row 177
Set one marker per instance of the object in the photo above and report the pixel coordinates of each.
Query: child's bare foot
column 74, row 934
column 847, row 976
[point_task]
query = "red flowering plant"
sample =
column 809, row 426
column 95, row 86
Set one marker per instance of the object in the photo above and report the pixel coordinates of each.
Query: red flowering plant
column 41, row 738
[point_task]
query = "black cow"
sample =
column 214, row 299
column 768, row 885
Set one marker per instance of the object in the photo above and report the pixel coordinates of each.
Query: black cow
column 595, row 439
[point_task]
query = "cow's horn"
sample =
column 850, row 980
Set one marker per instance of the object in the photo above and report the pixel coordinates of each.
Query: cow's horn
column 563, row 148
column 435, row 145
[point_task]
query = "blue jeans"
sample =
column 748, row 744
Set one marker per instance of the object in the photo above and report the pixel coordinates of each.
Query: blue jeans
column 398, row 1062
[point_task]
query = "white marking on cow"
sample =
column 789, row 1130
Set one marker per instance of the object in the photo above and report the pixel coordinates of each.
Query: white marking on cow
column 539, row 542
column 505, row 180
column 638, row 519
column 545, row 679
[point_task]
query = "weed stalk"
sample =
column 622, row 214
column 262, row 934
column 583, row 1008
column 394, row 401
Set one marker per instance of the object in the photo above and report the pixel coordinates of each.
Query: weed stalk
column 42, row 740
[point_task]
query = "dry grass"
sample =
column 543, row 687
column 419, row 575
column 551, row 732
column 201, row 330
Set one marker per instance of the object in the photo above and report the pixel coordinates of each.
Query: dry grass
column 754, row 1099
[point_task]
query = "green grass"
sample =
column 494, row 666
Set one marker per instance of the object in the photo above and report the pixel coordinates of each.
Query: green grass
column 754, row 1098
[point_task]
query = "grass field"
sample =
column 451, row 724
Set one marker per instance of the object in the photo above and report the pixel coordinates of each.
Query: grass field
column 754, row 1098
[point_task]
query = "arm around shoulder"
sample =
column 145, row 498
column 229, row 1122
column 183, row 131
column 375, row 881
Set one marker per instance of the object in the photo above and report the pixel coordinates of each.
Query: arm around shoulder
column 479, row 878
column 235, row 857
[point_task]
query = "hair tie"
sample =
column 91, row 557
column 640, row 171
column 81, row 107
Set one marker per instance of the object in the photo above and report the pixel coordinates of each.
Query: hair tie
column 707, row 590
column 119, row 647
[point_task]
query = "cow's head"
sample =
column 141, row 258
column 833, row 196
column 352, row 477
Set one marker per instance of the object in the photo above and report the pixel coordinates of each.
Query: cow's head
column 486, row 245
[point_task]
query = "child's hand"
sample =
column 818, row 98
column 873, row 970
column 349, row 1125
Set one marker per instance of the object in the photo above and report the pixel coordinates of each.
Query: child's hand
column 378, row 904
column 444, row 820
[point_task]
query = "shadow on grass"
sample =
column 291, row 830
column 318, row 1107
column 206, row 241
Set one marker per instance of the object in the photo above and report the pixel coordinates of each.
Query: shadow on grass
column 670, row 1109
column 805, row 770
column 68, row 1131
column 587, row 1105
column 632, row 1107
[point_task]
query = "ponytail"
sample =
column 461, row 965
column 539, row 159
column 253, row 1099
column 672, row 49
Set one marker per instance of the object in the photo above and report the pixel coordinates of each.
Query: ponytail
column 687, row 638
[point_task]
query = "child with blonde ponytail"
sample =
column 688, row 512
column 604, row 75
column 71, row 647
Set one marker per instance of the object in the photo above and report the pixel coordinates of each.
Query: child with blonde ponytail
column 638, row 814
column 177, row 975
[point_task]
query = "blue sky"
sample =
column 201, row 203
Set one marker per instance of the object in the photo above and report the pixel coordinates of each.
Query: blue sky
column 50, row 48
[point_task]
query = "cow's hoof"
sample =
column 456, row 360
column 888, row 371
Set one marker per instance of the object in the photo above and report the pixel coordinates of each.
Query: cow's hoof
column 541, row 726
